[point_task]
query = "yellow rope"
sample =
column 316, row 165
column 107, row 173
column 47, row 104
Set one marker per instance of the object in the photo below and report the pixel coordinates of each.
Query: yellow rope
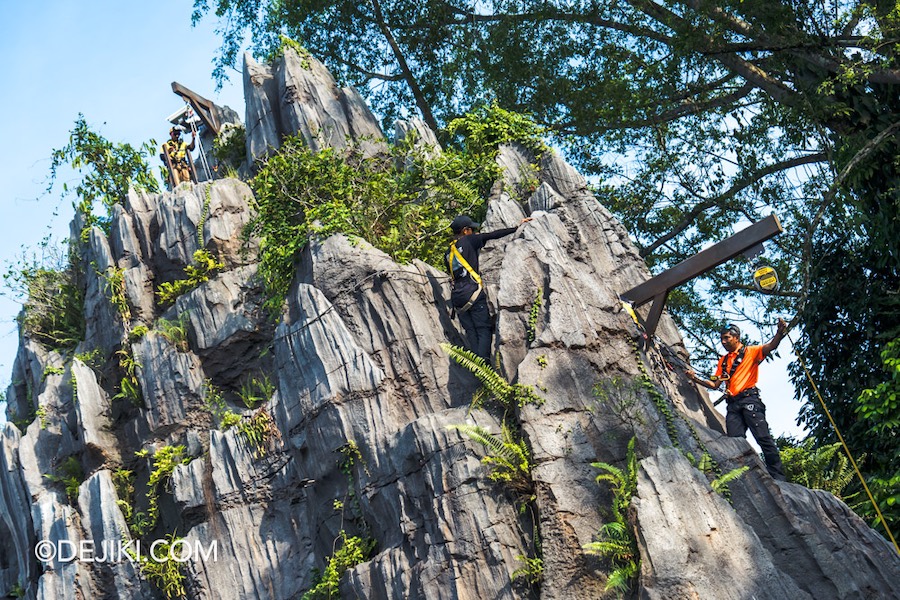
column 844, row 444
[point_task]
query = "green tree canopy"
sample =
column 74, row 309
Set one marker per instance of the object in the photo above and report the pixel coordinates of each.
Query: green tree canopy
column 698, row 116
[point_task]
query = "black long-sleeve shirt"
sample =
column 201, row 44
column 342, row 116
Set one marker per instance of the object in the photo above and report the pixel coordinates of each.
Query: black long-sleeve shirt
column 469, row 246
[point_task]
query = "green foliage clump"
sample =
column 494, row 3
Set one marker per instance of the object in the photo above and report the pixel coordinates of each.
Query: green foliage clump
column 129, row 386
column 230, row 146
column 815, row 466
column 880, row 405
column 53, row 307
column 617, row 543
column 175, row 332
column 532, row 571
column 508, row 394
column 215, row 404
column 259, row 431
column 487, row 127
column 41, row 414
column 164, row 462
column 71, row 474
column 161, row 570
column 284, row 43
column 137, row 333
column 92, row 359
column 508, row 457
column 123, row 481
column 351, row 552
column 108, row 170
column 205, row 265
column 114, row 287
column 401, row 203
column 51, row 370
column 256, row 390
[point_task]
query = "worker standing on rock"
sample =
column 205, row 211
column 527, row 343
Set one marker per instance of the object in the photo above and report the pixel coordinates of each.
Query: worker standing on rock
column 176, row 158
column 467, row 295
column 740, row 370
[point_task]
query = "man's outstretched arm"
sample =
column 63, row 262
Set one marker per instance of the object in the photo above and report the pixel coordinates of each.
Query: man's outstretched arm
column 772, row 344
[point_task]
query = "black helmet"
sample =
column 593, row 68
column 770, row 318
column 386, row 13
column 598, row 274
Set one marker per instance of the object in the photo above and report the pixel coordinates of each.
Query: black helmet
column 463, row 221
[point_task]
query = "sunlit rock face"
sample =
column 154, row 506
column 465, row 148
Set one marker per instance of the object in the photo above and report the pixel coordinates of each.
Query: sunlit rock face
column 362, row 402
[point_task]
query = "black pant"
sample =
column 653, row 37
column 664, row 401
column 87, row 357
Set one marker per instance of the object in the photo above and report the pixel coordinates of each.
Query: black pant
column 477, row 323
column 748, row 412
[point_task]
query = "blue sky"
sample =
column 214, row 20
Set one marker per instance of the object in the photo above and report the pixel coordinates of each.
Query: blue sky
column 112, row 61
column 115, row 62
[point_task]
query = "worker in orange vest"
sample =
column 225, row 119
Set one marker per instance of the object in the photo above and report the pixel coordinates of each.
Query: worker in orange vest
column 739, row 368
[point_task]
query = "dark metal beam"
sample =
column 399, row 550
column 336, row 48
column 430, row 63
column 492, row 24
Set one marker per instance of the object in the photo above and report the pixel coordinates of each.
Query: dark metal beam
column 205, row 109
column 657, row 288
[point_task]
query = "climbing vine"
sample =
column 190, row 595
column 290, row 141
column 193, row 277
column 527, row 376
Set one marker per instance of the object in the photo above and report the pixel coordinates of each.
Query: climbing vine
column 531, row 330
column 707, row 464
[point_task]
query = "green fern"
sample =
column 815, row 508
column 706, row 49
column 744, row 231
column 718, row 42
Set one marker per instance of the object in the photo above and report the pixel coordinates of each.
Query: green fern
column 508, row 458
column 175, row 332
column 623, row 482
column 720, row 484
column 617, row 543
column 825, row 468
column 532, row 571
column 506, row 393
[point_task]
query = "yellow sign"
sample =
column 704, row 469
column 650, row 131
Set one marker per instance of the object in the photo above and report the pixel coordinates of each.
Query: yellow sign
column 766, row 279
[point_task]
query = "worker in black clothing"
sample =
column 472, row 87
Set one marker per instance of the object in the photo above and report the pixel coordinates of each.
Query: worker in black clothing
column 467, row 295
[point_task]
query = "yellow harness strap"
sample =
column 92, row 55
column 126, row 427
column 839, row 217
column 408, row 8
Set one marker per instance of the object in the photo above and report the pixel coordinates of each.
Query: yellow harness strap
column 454, row 253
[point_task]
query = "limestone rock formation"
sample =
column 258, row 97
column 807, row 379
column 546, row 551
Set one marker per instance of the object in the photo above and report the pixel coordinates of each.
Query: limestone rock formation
column 359, row 407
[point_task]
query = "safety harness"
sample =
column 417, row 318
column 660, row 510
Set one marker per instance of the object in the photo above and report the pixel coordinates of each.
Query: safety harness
column 177, row 151
column 753, row 391
column 454, row 254
column 734, row 364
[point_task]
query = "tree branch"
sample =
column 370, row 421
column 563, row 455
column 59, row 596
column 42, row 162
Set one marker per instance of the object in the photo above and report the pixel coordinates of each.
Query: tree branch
column 406, row 72
column 687, row 108
column 552, row 14
column 739, row 186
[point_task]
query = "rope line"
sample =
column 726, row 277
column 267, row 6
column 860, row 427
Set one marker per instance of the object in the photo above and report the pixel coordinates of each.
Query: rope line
column 844, row 444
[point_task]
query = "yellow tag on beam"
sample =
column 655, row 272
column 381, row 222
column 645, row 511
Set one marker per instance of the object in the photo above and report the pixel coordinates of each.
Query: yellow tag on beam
column 766, row 279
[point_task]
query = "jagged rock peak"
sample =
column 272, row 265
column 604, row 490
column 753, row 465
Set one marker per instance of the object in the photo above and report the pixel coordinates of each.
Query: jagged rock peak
column 352, row 436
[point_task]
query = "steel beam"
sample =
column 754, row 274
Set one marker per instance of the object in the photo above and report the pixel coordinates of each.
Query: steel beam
column 657, row 288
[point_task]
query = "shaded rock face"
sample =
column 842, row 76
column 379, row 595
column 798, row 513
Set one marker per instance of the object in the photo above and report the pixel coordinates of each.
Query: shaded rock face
column 360, row 405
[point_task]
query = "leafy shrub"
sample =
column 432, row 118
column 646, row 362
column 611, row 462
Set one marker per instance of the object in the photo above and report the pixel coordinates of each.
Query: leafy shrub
column 351, row 552
column 175, row 332
column 401, row 203
column 256, row 390
column 532, row 571
column 160, row 570
column 205, row 265
column 164, row 462
column 823, row 468
column 71, row 474
column 108, row 171
column 53, row 307
column 259, row 431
